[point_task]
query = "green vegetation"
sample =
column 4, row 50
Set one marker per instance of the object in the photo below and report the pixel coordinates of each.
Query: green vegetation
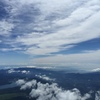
column 11, row 96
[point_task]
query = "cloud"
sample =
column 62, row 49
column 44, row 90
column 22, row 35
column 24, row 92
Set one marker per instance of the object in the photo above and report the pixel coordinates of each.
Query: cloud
column 76, row 28
column 45, row 28
column 6, row 27
column 83, row 59
column 10, row 49
column 39, row 67
column 45, row 91
column 12, row 71
column 44, row 77
column 29, row 85
column 95, row 70
column 18, row 71
column 20, row 82
column 97, row 95
column 72, row 95
column 25, row 72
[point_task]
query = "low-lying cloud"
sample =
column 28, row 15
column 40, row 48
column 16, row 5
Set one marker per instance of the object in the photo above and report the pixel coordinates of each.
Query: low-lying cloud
column 20, row 82
column 44, row 77
column 46, row 91
column 97, row 95
column 18, row 71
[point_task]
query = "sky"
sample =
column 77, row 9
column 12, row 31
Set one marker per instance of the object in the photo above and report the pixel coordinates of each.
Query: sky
column 52, row 32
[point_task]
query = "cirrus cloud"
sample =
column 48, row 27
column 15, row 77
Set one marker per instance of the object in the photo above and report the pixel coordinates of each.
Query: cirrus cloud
column 44, row 28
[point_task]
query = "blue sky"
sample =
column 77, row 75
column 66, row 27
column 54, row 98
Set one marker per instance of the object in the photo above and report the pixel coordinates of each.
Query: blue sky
column 50, row 32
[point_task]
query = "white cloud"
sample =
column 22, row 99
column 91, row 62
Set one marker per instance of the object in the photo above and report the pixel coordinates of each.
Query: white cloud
column 13, row 71
column 77, row 29
column 52, row 91
column 44, row 77
column 45, row 27
column 97, row 95
column 84, row 59
column 95, row 70
column 6, row 27
column 20, row 82
column 25, row 72
column 46, row 50
column 72, row 95
column 40, row 67
column 18, row 71
column 10, row 49
column 28, row 85
column 45, row 91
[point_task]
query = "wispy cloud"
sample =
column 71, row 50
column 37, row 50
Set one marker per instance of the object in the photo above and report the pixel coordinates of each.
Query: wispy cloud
column 6, row 27
column 84, row 59
column 48, row 27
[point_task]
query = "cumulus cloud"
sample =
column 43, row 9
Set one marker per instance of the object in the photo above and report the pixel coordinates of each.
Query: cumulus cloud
column 20, row 82
column 97, row 95
column 95, row 70
column 29, row 85
column 25, row 72
column 44, row 77
column 18, row 71
column 53, row 92
column 45, row 91
column 12, row 71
